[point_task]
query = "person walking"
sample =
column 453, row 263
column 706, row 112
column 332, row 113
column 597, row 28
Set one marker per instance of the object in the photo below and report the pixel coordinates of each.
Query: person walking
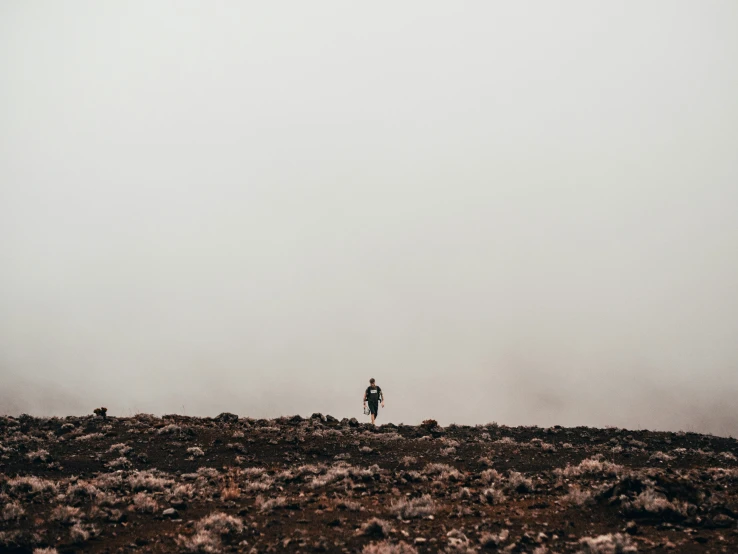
column 373, row 396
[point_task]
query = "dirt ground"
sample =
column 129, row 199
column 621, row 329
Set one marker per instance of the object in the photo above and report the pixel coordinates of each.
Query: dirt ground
column 233, row 484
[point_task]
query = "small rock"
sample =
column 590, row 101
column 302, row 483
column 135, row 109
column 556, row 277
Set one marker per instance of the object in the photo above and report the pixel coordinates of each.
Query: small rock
column 722, row 520
column 170, row 512
column 420, row 540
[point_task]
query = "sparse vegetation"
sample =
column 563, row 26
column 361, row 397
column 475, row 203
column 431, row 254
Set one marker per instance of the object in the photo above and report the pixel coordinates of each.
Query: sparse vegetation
column 376, row 528
column 607, row 544
column 414, row 507
column 304, row 485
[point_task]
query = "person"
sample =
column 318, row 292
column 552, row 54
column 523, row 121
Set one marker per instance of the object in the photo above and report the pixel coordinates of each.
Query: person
column 373, row 396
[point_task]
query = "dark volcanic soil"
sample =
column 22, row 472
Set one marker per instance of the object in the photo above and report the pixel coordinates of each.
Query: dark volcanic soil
column 229, row 484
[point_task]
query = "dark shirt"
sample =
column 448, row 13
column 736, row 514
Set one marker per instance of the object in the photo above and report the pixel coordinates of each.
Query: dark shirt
column 373, row 394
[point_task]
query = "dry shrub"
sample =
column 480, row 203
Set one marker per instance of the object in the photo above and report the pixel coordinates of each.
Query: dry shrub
column 105, row 499
column 490, row 476
column 39, row 456
column 108, row 481
column 119, row 463
column 516, row 481
column 443, row 472
column 578, row 497
column 201, row 542
column 148, row 480
column 414, row 507
column 45, row 551
column 492, row 496
column 660, row 457
column 267, row 505
column 607, row 544
column 263, row 484
column 230, row 489
column 186, row 490
column 208, row 472
column 31, row 484
column 727, row 456
column 335, row 473
column 169, row 429
column 591, row 466
column 12, row 511
column 408, row 460
column 91, row 436
column 653, row 502
column 65, row 515
column 375, row 528
column 230, row 492
column 80, row 533
column 196, row 451
column 208, row 532
column 386, row 547
column 458, row 543
column 120, row 448
column 81, row 491
column 349, row 505
column 251, row 472
column 493, row 540
column 220, row 523
column 145, row 503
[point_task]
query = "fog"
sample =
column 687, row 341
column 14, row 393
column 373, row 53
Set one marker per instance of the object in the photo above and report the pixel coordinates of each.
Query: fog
column 514, row 212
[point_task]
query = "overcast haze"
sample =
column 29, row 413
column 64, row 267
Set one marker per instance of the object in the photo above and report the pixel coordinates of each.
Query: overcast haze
column 520, row 212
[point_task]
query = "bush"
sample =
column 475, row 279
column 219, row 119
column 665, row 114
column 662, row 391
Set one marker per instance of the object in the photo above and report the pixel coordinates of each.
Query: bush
column 492, row 496
column 386, row 547
column 518, row 482
column 591, row 466
column 65, row 515
column 493, row 540
column 414, row 508
column 220, row 523
column 578, row 497
column 267, row 505
column 376, row 528
column 607, row 544
column 11, row 511
column 31, row 484
column 144, row 503
column 39, row 456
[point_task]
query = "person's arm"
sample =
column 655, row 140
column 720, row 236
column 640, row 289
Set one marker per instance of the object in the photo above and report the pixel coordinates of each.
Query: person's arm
column 382, row 399
column 364, row 397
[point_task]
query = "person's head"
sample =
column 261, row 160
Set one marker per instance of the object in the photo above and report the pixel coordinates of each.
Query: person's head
column 371, row 381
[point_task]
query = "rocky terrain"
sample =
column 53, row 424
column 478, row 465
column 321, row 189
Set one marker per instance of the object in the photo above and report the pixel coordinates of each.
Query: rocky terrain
column 234, row 484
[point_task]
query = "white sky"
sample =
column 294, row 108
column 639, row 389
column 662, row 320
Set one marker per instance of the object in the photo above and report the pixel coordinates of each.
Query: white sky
column 523, row 212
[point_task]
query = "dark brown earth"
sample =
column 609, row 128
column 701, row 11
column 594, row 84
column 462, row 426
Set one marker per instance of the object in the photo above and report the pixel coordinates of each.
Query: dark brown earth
column 88, row 484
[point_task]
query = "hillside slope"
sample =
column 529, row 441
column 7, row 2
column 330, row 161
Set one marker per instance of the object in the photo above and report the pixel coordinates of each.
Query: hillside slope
column 230, row 484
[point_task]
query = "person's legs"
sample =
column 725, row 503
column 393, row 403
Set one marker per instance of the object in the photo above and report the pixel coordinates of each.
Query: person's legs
column 373, row 408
